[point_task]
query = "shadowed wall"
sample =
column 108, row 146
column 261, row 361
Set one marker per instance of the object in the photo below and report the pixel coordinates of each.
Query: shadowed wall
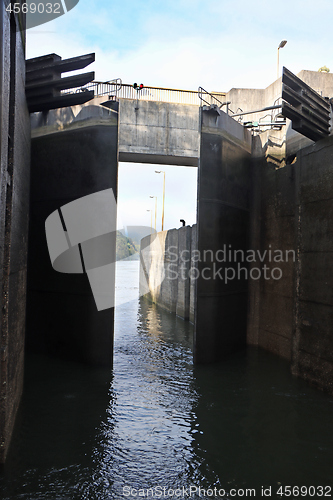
column 223, row 214
column 62, row 318
column 14, row 212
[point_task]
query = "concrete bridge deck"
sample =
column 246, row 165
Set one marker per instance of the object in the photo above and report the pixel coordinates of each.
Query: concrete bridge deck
column 149, row 131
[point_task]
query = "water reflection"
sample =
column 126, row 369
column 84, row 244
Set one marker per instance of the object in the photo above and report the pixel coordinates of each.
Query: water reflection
column 151, row 441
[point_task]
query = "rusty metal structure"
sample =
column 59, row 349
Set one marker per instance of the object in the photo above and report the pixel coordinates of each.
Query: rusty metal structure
column 44, row 84
column 308, row 111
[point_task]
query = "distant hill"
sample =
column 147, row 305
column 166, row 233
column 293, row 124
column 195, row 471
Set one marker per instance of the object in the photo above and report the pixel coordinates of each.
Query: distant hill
column 126, row 248
column 136, row 233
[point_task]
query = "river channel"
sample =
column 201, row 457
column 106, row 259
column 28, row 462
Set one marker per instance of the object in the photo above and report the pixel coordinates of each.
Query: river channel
column 157, row 426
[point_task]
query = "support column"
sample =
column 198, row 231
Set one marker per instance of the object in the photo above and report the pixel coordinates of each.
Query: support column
column 223, row 217
column 62, row 317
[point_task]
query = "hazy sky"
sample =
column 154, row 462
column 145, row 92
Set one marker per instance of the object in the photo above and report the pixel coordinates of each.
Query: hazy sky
column 216, row 44
column 137, row 182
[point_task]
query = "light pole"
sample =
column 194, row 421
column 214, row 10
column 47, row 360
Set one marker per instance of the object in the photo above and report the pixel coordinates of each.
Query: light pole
column 155, row 208
column 282, row 44
column 151, row 220
column 162, row 172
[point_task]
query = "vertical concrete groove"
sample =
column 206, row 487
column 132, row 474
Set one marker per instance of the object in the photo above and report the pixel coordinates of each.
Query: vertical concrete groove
column 297, row 279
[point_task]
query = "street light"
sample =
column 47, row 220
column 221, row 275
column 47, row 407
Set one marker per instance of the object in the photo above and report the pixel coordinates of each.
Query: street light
column 155, row 208
column 151, row 220
column 282, row 44
column 162, row 172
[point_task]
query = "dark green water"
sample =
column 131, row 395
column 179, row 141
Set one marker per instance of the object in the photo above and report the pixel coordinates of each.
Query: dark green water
column 158, row 421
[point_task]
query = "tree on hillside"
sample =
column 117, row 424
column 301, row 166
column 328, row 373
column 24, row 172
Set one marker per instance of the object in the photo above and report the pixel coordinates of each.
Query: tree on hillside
column 125, row 247
column 324, row 69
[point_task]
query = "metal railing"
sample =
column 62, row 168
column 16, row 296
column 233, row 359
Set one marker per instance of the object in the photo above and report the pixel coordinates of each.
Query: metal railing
column 212, row 98
column 160, row 94
column 115, row 89
column 110, row 88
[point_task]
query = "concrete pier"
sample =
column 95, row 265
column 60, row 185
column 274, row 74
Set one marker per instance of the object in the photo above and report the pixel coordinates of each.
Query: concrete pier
column 223, row 215
column 78, row 160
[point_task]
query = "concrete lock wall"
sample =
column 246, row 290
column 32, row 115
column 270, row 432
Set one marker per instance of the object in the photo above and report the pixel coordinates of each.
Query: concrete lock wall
column 292, row 210
column 312, row 346
column 78, row 160
column 14, row 210
column 271, row 301
column 223, row 213
column 165, row 276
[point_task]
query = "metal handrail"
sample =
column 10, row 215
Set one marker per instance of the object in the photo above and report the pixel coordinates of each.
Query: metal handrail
column 110, row 88
column 254, row 111
column 160, row 94
column 212, row 97
column 115, row 89
column 275, row 113
column 273, row 123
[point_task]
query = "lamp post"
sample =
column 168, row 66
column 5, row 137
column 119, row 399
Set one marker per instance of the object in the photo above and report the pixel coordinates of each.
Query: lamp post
column 282, row 44
column 162, row 172
column 151, row 220
column 155, row 208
